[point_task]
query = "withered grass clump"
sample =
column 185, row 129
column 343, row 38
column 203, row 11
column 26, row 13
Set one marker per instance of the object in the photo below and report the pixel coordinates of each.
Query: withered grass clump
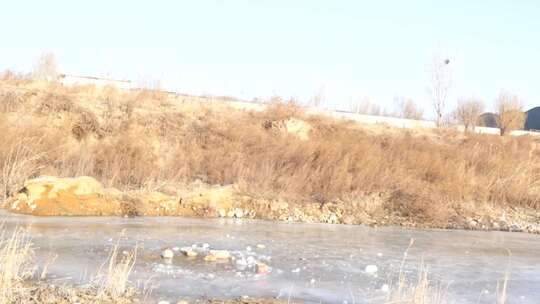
column 18, row 284
column 130, row 140
column 15, row 266
column 113, row 282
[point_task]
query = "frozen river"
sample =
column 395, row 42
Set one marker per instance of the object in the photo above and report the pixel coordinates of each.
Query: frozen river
column 310, row 262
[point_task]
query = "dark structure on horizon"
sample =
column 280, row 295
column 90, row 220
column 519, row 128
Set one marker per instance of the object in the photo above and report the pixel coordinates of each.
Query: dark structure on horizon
column 488, row 119
column 532, row 119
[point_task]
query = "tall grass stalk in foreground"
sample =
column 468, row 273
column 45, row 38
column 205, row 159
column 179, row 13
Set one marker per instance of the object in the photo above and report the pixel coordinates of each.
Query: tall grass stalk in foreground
column 15, row 254
column 115, row 279
column 421, row 292
column 502, row 287
column 17, row 270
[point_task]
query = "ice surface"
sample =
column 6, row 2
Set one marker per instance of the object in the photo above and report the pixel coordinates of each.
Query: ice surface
column 312, row 262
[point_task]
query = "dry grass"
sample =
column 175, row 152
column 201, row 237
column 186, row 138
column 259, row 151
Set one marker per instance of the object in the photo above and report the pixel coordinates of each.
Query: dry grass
column 114, row 281
column 18, row 162
column 425, row 291
column 18, row 284
column 15, row 266
column 502, row 287
column 420, row 292
column 132, row 140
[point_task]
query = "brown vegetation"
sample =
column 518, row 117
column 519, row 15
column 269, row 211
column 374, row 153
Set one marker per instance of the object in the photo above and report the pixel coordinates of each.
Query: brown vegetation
column 133, row 140
column 468, row 111
column 510, row 112
column 407, row 108
column 19, row 284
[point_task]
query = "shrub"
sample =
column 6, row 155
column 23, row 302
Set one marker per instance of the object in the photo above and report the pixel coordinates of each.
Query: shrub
column 510, row 112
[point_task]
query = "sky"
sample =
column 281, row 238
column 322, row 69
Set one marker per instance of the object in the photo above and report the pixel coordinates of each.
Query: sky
column 247, row 48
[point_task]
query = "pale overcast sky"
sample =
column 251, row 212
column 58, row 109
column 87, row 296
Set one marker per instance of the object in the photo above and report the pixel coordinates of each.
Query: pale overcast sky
column 251, row 48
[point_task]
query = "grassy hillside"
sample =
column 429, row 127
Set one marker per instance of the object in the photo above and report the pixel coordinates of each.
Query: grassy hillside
column 153, row 141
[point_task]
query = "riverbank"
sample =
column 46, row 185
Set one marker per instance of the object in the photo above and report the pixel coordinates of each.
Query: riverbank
column 39, row 292
column 85, row 196
column 153, row 154
column 43, row 292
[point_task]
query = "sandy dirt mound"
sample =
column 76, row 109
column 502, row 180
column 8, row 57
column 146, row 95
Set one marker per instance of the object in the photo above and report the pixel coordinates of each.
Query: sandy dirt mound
column 85, row 196
column 218, row 201
column 64, row 196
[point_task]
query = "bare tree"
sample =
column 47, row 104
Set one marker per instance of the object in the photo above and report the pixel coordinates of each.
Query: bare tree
column 45, row 68
column 149, row 83
column 467, row 112
column 440, row 82
column 318, row 99
column 510, row 112
column 407, row 108
column 364, row 105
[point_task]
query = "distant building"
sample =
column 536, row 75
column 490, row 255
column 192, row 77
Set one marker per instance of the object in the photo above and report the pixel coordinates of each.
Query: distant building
column 532, row 119
column 488, row 120
column 71, row 80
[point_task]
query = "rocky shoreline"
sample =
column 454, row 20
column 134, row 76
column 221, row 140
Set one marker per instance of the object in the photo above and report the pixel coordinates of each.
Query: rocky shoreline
column 85, row 196
column 39, row 292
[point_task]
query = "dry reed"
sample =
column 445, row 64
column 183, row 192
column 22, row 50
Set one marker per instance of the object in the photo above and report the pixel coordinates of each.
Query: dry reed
column 15, row 266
